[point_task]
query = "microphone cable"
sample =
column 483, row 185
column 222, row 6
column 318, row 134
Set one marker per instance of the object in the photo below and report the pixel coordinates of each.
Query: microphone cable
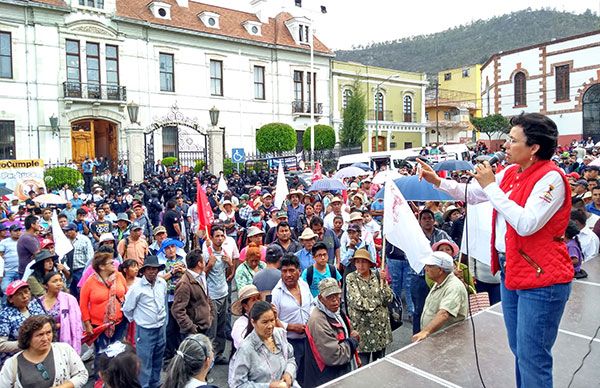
column 469, row 299
column 584, row 357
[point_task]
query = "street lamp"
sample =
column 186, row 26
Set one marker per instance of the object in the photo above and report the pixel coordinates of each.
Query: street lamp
column 54, row 125
column 133, row 110
column 214, row 116
column 377, row 89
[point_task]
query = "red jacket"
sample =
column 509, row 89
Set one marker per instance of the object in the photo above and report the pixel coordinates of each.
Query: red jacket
column 541, row 259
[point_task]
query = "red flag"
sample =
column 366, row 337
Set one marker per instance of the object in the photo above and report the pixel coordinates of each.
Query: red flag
column 317, row 174
column 205, row 213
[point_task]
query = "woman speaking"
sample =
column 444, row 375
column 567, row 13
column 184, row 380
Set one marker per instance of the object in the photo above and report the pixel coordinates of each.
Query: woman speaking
column 532, row 204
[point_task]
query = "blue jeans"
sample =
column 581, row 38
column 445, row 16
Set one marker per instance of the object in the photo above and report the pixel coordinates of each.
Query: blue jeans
column 532, row 317
column 401, row 275
column 418, row 291
column 150, row 348
column 9, row 276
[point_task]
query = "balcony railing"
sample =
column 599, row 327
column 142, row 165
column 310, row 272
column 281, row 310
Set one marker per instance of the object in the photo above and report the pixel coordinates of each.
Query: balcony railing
column 93, row 91
column 384, row 115
column 303, row 107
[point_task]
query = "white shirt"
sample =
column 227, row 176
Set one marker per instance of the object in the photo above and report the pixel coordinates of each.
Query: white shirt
column 328, row 220
column 590, row 244
column 288, row 308
column 591, row 220
column 538, row 210
column 229, row 246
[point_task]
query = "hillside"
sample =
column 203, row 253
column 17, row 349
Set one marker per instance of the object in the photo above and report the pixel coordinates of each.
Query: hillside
column 472, row 43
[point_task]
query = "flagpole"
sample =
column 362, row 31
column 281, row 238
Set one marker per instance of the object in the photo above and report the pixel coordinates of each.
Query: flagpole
column 383, row 258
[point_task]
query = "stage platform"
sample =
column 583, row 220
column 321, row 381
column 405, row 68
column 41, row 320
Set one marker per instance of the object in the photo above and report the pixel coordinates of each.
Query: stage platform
column 447, row 359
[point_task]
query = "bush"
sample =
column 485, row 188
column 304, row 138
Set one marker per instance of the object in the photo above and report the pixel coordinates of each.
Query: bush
column 57, row 177
column 169, row 161
column 199, row 166
column 228, row 166
column 324, row 138
column 275, row 137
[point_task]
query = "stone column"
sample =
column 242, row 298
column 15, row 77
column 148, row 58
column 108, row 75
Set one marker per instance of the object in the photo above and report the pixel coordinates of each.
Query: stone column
column 215, row 150
column 64, row 139
column 135, row 152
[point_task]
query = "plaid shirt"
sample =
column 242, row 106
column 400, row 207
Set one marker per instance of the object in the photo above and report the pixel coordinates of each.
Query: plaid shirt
column 83, row 251
column 245, row 212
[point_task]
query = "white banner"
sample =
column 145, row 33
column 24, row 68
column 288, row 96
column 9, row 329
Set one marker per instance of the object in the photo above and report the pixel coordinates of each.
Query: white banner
column 22, row 176
column 281, row 189
column 402, row 229
column 479, row 221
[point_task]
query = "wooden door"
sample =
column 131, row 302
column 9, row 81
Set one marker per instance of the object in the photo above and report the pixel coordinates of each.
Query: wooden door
column 381, row 143
column 82, row 141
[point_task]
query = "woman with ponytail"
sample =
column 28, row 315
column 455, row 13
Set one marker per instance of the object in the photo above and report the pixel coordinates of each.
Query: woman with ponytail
column 192, row 361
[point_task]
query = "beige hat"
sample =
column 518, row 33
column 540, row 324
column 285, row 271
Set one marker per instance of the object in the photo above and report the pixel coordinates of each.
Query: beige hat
column 159, row 229
column 329, row 286
column 355, row 216
column 588, row 194
column 227, row 202
column 335, row 199
column 254, row 231
column 359, row 197
column 296, row 192
column 353, row 186
column 362, row 253
column 308, row 234
column 244, row 293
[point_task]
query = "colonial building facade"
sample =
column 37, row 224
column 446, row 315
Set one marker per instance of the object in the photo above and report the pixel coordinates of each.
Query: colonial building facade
column 560, row 78
column 395, row 104
column 81, row 62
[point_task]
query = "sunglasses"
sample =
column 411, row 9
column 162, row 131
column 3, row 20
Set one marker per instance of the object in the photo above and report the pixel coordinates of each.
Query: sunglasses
column 42, row 369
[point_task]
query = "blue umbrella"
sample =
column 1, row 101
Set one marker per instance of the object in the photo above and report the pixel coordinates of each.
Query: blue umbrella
column 362, row 165
column 453, row 165
column 415, row 190
column 327, row 184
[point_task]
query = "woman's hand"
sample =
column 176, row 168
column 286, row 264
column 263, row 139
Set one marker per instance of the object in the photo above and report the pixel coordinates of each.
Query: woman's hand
column 287, row 379
column 427, row 173
column 88, row 327
column 278, row 384
column 484, row 174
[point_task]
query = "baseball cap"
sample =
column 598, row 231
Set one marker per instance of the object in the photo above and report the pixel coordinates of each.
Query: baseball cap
column 582, row 182
column 45, row 243
column 354, row 228
column 273, row 252
column 15, row 286
column 3, row 227
column 440, row 259
column 136, row 225
column 70, row 226
column 15, row 227
column 329, row 286
column 282, row 214
column 159, row 229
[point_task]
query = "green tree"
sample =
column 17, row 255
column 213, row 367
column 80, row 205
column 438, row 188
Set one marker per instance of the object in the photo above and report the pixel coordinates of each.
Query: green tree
column 169, row 161
column 56, row 178
column 353, row 132
column 492, row 125
column 275, row 137
column 324, row 137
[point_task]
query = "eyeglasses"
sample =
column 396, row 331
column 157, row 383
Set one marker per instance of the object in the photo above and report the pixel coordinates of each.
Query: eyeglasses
column 42, row 369
column 510, row 140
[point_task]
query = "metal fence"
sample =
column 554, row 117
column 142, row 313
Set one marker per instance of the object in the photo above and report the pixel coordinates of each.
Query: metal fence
column 111, row 165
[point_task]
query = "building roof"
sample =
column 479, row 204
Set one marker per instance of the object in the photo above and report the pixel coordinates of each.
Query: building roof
column 230, row 22
column 554, row 41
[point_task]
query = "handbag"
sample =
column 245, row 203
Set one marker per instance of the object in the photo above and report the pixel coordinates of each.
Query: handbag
column 394, row 308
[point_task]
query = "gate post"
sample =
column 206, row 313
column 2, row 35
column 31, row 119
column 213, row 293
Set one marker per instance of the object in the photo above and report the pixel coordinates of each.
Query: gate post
column 215, row 149
column 136, row 152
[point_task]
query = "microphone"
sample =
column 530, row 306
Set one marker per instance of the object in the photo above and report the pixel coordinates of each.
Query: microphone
column 497, row 157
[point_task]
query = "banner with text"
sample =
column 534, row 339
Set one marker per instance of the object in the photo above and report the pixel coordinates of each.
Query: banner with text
column 22, row 176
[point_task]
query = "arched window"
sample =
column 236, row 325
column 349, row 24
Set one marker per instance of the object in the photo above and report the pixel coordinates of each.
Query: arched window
column 347, row 93
column 379, row 105
column 520, row 89
column 407, row 109
column 487, row 95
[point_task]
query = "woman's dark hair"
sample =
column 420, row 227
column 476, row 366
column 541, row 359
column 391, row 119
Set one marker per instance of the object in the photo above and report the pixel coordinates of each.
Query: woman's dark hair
column 426, row 211
column 578, row 216
column 259, row 308
column 126, row 265
column 120, row 371
column 30, row 326
column 189, row 360
column 99, row 259
column 572, row 230
column 38, row 271
column 540, row 130
column 193, row 258
column 49, row 276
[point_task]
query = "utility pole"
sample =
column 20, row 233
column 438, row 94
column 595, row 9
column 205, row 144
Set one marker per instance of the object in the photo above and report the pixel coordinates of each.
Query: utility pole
column 437, row 119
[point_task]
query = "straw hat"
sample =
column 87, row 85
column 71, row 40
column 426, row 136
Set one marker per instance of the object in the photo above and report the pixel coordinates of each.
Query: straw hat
column 362, row 253
column 354, row 216
column 245, row 292
column 308, row 234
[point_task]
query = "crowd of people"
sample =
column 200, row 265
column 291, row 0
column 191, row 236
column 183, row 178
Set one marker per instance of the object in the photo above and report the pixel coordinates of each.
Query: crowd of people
column 301, row 292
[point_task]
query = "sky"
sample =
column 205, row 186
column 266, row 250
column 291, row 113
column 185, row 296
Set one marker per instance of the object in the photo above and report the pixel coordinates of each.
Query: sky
column 353, row 22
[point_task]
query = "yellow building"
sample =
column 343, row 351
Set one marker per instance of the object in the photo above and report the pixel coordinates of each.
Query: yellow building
column 450, row 106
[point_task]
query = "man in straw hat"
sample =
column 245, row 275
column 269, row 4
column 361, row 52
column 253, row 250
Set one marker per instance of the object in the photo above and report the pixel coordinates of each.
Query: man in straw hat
column 295, row 208
column 145, row 304
column 447, row 301
column 308, row 240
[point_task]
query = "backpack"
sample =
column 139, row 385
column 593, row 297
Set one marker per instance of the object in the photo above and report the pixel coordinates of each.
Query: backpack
column 310, row 271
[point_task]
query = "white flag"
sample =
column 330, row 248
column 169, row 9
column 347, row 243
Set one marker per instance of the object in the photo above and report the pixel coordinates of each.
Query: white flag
column 402, row 229
column 479, row 220
column 62, row 245
column 281, row 189
column 222, row 186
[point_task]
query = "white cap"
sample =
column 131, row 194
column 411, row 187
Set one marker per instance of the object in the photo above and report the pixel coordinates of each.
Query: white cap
column 440, row 259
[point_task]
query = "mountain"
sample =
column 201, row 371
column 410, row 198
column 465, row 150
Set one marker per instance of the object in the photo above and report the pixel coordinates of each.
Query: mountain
column 472, row 43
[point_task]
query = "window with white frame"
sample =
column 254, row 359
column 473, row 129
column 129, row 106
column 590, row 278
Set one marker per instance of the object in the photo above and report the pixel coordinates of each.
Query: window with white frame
column 92, row 3
column 216, row 77
column 259, row 82
column 407, row 108
column 6, row 70
column 346, row 95
column 167, row 72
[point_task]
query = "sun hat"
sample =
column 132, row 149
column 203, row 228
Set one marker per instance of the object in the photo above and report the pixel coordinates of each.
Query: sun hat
column 254, row 231
column 296, row 192
column 123, row 217
column 455, row 249
column 171, row 241
column 329, row 286
column 308, row 234
column 355, row 216
column 335, row 199
column 15, row 286
column 106, row 237
column 159, row 229
column 440, row 259
column 588, row 194
column 362, row 253
column 244, row 293
column 449, row 210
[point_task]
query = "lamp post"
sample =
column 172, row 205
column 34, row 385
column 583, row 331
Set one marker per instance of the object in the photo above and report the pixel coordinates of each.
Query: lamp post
column 377, row 89
column 132, row 110
column 214, row 116
column 135, row 143
column 216, row 143
column 54, row 125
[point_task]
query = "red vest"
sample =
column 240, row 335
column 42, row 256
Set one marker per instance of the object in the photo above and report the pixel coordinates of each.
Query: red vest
column 541, row 259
